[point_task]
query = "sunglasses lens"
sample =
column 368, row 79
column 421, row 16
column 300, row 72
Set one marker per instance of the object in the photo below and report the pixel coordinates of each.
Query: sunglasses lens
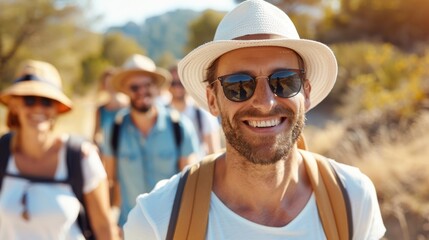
column 176, row 84
column 286, row 83
column 46, row 102
column 29, row 101
column 238, row 87
column 134, row 88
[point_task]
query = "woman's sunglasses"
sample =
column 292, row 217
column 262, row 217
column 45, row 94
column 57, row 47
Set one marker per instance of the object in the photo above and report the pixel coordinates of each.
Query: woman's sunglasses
column 240, row 87
column 31, row 101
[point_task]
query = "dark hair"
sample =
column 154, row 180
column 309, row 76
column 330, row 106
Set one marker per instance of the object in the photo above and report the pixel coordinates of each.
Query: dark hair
column 12, row 121
column 211, row 72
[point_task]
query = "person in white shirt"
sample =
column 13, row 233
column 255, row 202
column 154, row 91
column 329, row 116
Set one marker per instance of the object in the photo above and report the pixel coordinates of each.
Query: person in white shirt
column 37, row 200
column 206, row 125
column 261, row 78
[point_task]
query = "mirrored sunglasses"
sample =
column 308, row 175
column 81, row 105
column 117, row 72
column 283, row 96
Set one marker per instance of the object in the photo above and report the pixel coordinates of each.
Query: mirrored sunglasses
column 240, row 87
column 31, row 101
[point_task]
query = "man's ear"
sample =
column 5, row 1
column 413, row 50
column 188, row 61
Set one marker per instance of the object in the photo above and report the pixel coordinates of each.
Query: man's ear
column 307, row 91
column 212, row 101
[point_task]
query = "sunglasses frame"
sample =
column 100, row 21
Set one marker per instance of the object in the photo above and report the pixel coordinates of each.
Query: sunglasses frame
column 300, row 72
column 31, row 101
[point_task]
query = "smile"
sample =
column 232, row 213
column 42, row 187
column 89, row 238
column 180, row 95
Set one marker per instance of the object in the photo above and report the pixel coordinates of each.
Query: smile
column 265, row 123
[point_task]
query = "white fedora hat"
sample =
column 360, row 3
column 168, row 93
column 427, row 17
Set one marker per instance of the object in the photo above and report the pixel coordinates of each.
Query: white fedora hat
column 259, row 17
column 38, row 78
column 139, row 64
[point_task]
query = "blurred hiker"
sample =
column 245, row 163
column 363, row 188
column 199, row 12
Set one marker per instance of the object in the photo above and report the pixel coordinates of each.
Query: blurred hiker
column 47, row 177
column 112, row 102
column 151, row 142
column 206, row 125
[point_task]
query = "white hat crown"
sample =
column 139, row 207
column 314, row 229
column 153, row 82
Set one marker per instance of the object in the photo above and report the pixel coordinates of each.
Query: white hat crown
column 139, row 62
column 255, row 17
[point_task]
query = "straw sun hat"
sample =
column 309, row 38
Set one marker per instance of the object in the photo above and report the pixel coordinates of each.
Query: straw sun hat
column 259, row 17
column 37, row 78
column 139, row 64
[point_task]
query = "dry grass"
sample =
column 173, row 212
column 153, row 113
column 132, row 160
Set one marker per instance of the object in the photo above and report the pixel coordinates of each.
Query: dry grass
column 396, row 161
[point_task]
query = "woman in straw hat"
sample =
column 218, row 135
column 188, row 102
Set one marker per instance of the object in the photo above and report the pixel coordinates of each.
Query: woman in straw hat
column 29, row 207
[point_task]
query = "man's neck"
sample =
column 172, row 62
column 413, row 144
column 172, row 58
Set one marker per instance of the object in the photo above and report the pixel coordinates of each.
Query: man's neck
column 178, row 104
column 144, row 121
column 270, row 195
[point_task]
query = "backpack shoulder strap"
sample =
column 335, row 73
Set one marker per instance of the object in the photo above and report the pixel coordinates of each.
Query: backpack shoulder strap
column 4, row 154
column 194, row 193
column 332, row 199
column 74, row 157
column 114, row 139
column 198, row 114
column 175, row 119
column 74, row 170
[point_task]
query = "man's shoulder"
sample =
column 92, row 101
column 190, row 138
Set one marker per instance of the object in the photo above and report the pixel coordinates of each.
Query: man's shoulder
column 358, row 185
column 151, row 215
column 161, row 197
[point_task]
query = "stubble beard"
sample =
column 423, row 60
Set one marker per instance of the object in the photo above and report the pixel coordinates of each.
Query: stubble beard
column 277, row 148
column 141, row 109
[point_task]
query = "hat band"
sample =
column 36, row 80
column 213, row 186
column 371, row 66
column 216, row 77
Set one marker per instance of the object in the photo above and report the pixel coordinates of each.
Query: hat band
column 32, row 77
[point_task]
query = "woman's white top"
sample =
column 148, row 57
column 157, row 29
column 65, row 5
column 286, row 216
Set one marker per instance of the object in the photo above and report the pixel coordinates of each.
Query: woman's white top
column 53, row 208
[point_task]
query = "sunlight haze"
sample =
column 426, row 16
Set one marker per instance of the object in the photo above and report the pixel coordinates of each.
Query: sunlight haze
column 119, row 12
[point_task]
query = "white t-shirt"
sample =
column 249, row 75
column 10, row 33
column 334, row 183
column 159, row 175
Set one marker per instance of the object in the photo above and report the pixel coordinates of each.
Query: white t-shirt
column 53, row 208
column 151, row 215
column 209, row 124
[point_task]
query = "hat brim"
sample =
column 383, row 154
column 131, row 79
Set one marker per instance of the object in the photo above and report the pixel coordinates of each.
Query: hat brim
column 40, row 89
column 320, row 65
column 160, row 76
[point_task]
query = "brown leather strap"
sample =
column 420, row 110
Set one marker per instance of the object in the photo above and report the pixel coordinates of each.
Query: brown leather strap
column 194, row 208
column 301, row 143
column 329, row 197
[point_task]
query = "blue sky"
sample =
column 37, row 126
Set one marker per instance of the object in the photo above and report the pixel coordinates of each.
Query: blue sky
column 118, row 12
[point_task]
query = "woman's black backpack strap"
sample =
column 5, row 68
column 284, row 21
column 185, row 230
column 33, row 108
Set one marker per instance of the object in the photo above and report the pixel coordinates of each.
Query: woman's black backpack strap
column 4, row 154
column 75, row 178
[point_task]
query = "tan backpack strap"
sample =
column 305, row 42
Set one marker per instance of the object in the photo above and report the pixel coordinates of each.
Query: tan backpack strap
column 329, row 196
column 302, row 144
column 194, row 208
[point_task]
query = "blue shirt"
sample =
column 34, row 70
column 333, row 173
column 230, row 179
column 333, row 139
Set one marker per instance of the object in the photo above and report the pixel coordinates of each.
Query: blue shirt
column 145, row 160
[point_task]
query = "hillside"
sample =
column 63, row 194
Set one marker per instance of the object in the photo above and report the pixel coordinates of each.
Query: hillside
column 161, row 34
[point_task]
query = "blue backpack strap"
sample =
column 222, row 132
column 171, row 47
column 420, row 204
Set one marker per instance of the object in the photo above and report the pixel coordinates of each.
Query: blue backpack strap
column 4, row 154
column 75, row 178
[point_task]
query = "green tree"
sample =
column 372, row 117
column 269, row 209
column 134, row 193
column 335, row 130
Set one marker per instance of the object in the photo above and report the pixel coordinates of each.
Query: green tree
column 118, row 47
column 401, row 22
column 113, row 51
column 22, row 21
column 203, row 29
column 47, row 30
column 379, row 77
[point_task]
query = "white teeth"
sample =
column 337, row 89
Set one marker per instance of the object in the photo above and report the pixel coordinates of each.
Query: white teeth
column 268, row 123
